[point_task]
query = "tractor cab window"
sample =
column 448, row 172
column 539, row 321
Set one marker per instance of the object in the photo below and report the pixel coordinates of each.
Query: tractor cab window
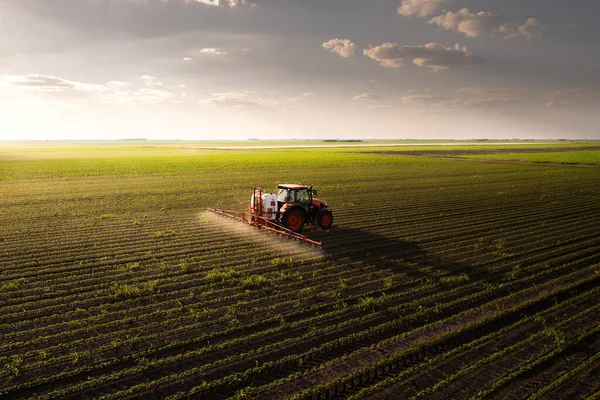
column 282, row 196
column 302, row 196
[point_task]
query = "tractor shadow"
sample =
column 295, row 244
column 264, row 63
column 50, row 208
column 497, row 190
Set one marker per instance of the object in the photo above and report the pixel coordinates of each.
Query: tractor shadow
column 399, row 256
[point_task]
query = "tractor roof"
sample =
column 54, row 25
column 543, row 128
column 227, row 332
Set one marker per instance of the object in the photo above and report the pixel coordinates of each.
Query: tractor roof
column 292, row 186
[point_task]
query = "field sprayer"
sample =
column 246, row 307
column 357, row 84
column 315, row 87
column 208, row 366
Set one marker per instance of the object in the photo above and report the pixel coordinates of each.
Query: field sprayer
column 286, row 212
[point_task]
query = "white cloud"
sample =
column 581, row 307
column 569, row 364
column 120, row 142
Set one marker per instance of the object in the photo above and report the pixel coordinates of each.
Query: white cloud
column 236, row 100
column 378, row 106
column 117, row 84
column 213, row 51
column 230, row 3
column 309, row 94
column 150, row 90
column 432, row 55
column 154, row 95
column 484, row 23
column 368, row 96
column 188, row 59
column 129, row 92
column 473, row 25
column 343, row 47
column 530, row 29
column 48, row 83
column 40, row 82
column 421, row 8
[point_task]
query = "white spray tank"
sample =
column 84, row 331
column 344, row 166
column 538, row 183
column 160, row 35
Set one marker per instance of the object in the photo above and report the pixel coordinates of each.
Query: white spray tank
column 269, row 206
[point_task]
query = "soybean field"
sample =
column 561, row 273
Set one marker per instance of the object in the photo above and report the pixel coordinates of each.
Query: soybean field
column 449, row 273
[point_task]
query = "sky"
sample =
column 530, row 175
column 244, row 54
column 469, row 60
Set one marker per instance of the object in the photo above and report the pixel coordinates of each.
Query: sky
column 299, row 69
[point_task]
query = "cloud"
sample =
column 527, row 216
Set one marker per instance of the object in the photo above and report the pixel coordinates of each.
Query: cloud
column 368, row 96
column 530, row 29
column 154, row 95
column 304, row 95
column 559, row 104
column 575, row 96
column 214, row 3
column 230, row 3
column 151, row 81
column 235, row 100
column 424, row 99
column 153, row 91
column 378, row 106
column 213, row 51
column 41, row 82
column 188, row 59
column 48, row 83
column 421, row 8
column 460, row 103
column 473, row 25
column 342, row 47
column 432, row 55
column 483, row 102
column 504, row 92
column 117, row 84
column 485, row 23
column 147, row 89
column 419, row 90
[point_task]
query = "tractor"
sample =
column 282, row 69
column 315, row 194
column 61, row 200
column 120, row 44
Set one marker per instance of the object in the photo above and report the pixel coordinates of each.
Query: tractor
column 297, row 207
column 286, row 212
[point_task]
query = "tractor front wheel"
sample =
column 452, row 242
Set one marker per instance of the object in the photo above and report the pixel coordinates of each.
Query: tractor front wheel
column 325, row 219
column 294, row 219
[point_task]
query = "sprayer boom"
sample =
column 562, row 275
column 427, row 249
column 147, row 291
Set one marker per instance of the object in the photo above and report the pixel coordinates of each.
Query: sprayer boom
column 263, row 223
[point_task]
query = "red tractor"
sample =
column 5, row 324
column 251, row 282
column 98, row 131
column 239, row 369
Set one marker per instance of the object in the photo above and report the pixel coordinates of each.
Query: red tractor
column 284, row 213
column 297, row 207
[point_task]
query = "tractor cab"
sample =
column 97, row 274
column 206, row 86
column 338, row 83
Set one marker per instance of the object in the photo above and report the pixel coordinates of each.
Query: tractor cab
column 294, row 194
column 297, row 207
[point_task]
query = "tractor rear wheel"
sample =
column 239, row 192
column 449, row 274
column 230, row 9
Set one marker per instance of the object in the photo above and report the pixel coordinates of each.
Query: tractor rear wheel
column 325, row 219
column 294, row 219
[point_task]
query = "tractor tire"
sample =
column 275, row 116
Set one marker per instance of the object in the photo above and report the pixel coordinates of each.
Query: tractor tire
column 324, row 219
column 294, row 219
